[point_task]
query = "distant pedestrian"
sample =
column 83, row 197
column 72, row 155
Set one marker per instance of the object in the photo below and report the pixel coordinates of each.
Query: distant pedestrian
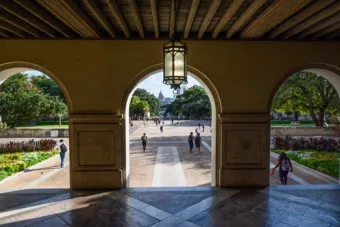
column 131, row 124
column 198, row 143
column 191, row 142
column 144, row 139
column 177, row 123
column 199, row 125
column 172, row 121
column 284, row 165
column 161, row 128
column 196, row 130
column 63, row 150
column 203, row 127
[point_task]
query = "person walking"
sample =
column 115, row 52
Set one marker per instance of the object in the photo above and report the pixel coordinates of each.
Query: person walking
column 144, row 139
column 198, row 143
column 191, row 142
column 284, row 165
column 63, row 150
column 203, row 127
column 172, row 120
column 161, row 128
column 199, row 125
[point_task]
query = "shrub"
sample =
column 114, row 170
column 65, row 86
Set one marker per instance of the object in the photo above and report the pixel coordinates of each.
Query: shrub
column 28, row 146
column 3, row 174
column 51, row 122
column 281, row 122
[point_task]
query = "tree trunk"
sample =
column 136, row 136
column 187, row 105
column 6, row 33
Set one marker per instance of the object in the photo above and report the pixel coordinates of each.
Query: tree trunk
column 321, row 117
column 296, row 115
column 316, row 122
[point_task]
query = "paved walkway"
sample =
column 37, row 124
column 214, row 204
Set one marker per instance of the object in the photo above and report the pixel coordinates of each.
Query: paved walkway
column 166, row 163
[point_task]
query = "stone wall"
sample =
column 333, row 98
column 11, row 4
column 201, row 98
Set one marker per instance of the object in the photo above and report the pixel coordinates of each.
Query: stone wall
column 33, row 133
column 301, row 131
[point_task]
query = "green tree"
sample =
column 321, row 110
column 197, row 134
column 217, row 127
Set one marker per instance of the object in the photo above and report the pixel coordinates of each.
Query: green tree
column 307, row 93
column 47, row 86
column 194, row 104
column 21, row 102
column 138, row 108
column 151, row 99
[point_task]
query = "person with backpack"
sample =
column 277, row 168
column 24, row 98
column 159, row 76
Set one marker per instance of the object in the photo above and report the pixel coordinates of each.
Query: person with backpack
column 191, row 142
column 161, row 128
column 198, row 143
column 284, row 165
column 63, row 150
column 144, row 139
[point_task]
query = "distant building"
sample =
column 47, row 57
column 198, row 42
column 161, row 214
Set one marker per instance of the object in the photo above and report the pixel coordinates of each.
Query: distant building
column 163, row 100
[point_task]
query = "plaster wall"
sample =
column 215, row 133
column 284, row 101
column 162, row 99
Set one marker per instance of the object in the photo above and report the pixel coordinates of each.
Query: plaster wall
column 97, row 75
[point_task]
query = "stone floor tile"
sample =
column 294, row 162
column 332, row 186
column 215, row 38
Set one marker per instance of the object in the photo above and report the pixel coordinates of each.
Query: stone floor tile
column 32, row 216
column 53, row 222
column 187, row 224
column 169, row 222
column 156, row 213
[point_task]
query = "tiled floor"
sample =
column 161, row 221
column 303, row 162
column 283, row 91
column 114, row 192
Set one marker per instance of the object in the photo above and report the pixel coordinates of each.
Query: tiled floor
column 295, row 205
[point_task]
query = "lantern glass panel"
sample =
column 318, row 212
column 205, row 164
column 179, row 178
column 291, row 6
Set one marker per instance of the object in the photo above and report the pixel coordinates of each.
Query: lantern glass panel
column 168, row 67
column 179, row 68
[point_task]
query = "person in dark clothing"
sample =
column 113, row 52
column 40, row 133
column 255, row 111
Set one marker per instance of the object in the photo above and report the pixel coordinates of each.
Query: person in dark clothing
column 161, row 128
column 199, row 125
column 144, row 139
column 63, row 150
column 198, row 143
column 284, row 165
column 191, row 142
column 203, row 127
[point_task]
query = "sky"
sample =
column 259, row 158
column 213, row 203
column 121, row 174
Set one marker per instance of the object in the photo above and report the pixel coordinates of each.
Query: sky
column 153, row 83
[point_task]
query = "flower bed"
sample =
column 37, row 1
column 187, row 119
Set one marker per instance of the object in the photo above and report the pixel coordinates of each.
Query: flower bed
column 323, row 161
column 17, row 156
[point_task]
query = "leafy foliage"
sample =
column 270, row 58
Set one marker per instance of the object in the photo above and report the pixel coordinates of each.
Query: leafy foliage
column 307, row 93
column 153, row 102
column 47, row 86
column 28, row 146
column 194, row 104
column 22, row 102
column 315, row 143
column 138, row 108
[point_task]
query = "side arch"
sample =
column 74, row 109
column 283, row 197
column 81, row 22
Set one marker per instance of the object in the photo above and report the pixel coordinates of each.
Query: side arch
column 330, row 72
column 11, row 68
column 216, row 105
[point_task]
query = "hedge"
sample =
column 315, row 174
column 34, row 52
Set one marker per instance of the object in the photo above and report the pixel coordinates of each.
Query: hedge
column 51, row 122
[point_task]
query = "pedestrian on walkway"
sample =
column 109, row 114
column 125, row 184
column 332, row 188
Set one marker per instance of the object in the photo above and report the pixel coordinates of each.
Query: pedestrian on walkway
column 284, row 165
column 191, row 142
column 144, row 139
column 161, row 128
column 63, row 150
column 177, row 123
column 172, row 120
column 198, row 143
column 203, row 127
column 199, row 125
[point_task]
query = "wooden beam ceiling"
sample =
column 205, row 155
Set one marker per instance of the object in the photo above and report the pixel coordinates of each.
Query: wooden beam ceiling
column 119, row 17
column 327, row 30
column 208, row 17
column 12, row 29
column 100, row 17
column 45, row 17
column 191, row 17
column 28, row 18
column 250, row 11
column 172, row 23
column 271, row 17
column 298, row 18
column 20, row 24
column 137, row 17
column 330, row 10
column 4, row 33
column 154, row 11
column 71, row 15
column 229, row 13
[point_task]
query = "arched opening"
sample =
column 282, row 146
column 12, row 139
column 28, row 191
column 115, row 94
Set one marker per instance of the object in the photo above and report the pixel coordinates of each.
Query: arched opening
column 215, row 108
column 305, row 123
column 34, row 131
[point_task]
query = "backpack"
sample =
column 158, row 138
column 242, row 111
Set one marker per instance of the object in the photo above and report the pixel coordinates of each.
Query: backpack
column 197, row 139
column 285, row 165
column 144, row 138
column 63, row 148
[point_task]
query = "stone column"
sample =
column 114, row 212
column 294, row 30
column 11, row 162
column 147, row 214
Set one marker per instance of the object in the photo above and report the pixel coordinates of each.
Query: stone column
column 245, row 150
column 95, row 151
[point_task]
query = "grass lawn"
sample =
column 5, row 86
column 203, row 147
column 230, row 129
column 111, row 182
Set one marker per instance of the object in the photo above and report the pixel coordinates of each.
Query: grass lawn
column 43, row 127
column 326, row 162
column 292, row 125
column 11, row 163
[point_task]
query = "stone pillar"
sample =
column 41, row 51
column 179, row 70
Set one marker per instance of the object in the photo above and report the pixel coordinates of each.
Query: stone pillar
column 95, row 151
column 245, row 150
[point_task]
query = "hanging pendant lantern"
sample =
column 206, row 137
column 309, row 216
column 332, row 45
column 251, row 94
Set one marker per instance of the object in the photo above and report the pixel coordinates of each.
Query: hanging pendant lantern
column 175, row 63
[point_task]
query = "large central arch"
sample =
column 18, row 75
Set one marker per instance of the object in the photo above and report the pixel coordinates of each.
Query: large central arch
column 216, row 128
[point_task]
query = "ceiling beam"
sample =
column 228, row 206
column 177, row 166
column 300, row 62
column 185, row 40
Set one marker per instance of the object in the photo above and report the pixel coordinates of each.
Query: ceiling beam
column 4, row 33
column 208, row 17
column 303, row 15
column 154, row 12
column 271, row 17
column 321, row 25
column 332, row 9
column 119, row 17
column 43, row 16
column 28, row 18
column 248, row 13
column 100, row 17
column 191, row 17
column 9, row 18
column 327, row 30
column 333, row 36
column 12, row 29
column 71, row 15
column 229, row 13
column 137, row 17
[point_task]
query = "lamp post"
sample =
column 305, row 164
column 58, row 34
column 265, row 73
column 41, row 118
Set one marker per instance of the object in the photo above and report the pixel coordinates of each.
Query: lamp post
column 175, row 65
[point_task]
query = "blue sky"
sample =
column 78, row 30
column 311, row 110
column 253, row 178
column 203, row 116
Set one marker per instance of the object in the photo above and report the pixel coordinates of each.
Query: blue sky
column 153, row 83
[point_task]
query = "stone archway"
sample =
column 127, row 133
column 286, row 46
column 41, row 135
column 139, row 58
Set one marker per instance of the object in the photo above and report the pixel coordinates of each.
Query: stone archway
column 216, row 128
